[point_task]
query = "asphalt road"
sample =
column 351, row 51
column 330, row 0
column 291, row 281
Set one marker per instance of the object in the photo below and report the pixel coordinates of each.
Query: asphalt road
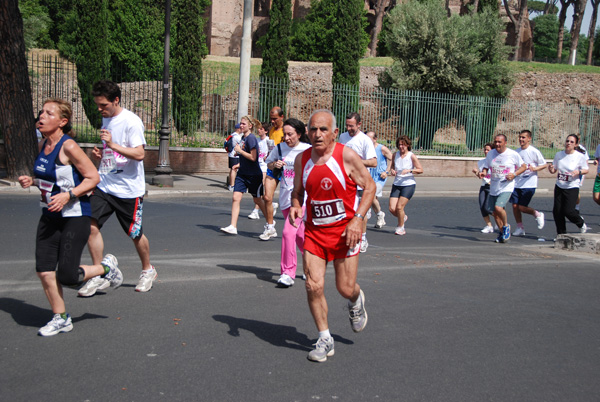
column 452, row 315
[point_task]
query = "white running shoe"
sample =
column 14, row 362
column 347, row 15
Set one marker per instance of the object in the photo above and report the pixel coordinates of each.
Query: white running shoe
column 275, row 206
column 400, row 231
column 540, row 221
column 229, row 230
column 146, row 280
column 519, row 232
column 268, row 233
column 56, row 325
column 254, row 214
column 380, row 220
column 230, row 188
column 405, row 217
column 92, row 286
column 364, row 245
column 114, row 275
column 285, row 281
column 583, row 229
column 323, row 349
column 487, row 229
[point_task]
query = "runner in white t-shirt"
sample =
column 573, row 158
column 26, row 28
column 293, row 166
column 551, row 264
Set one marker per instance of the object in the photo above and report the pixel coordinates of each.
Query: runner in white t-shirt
column 233, row 157
column 122, row 184
column 526, row 184
column 570, row 166
column 363, row 146
column 504, row 164
column 263, row 152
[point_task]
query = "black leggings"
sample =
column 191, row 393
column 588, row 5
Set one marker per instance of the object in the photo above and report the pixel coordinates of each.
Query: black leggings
column 61, row 241
column 484, row 195
column 564, row 206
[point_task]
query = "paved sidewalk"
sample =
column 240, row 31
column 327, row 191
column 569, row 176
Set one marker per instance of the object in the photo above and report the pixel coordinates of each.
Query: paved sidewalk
column 214, row 184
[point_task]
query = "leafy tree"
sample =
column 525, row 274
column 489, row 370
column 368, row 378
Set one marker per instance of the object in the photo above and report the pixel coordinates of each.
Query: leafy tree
column 16, row 106
column 274, row 69
column 313, row 38
column 132, row 32
column 458, row 55
column 36, row 24
column 545, row 36
column 189, row 48
column 347, row 51
column 539, row 7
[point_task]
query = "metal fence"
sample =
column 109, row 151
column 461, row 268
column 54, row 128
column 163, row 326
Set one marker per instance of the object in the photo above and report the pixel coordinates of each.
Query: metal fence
column 439, row 124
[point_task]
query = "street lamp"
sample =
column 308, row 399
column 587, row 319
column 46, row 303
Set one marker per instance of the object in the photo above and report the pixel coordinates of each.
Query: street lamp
column 163, row 169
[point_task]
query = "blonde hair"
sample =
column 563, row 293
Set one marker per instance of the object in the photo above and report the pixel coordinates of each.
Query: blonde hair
column 65, row 111
column 255, row 123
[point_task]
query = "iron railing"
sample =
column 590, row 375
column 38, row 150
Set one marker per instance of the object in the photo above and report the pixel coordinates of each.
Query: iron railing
column 439, row 124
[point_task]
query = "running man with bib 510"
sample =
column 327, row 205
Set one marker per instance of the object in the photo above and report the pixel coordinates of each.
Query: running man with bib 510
column 329, row 173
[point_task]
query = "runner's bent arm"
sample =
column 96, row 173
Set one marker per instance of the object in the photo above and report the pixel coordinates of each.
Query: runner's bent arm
column 360, row 175
column 297, row 193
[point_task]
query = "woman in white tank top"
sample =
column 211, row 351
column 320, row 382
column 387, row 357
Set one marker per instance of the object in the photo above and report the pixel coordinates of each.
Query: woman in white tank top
column 405, row 165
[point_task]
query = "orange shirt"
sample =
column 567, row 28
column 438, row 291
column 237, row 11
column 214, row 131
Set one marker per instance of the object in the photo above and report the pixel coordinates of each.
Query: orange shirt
column 276, row 135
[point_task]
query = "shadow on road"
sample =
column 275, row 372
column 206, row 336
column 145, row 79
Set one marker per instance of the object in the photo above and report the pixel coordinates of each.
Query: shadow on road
column 28, row 315
column 263, row 274
column 276, row 335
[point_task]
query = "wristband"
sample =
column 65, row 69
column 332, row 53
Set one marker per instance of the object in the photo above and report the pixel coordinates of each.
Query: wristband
column 359, row 216
column 71, row 196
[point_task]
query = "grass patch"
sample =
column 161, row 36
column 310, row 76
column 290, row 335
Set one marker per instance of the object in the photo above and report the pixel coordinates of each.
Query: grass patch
column 535, row 67
column 376, row 62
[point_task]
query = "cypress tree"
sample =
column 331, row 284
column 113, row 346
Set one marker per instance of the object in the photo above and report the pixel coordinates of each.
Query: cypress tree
column 188, row 50
column 349, row 47
column 274, row 78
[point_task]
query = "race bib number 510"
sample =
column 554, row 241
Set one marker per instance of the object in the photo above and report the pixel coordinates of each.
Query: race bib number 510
column 326, row 212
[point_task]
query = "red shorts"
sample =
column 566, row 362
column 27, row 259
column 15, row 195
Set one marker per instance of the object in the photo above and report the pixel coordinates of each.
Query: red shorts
column 328, row 243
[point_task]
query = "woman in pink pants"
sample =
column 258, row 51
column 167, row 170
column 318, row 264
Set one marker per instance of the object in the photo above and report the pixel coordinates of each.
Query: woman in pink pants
column 282, row 158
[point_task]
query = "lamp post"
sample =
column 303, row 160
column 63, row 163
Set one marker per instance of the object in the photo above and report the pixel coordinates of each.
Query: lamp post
column 163, row 169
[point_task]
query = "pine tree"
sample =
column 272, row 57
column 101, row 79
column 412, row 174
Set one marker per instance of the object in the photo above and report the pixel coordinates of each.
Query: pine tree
column 348, row 49
column 274, row 78
column 188, row 50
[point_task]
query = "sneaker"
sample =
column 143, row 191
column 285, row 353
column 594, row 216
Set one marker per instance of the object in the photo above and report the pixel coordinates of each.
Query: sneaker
column 56, row 325
column 487, row 229
column 230, row 188
column 323, row 349
column 499, row 239
column 505, row 233
column 400, row 231
column 405, row 217
column 358, row 314
column 229, row 230
column 114, row 276
column 519, row 232
column 303, row 277
column 380, row 220
column 285, row 280
column 275, row 206
column 364, row 245
column 268, row 233
column 583, row 229
column 92, row 286
column 540, row 221
column 254, row 214
column 146, row 280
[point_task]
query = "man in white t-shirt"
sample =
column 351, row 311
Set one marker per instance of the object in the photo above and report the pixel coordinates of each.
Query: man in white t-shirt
column 122, row 185
column 363, row 146
column 526, row 184
column 504, row 165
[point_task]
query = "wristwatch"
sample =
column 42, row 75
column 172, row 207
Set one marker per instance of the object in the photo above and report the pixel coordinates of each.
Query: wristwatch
column 359, row 216
column 71, row 196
